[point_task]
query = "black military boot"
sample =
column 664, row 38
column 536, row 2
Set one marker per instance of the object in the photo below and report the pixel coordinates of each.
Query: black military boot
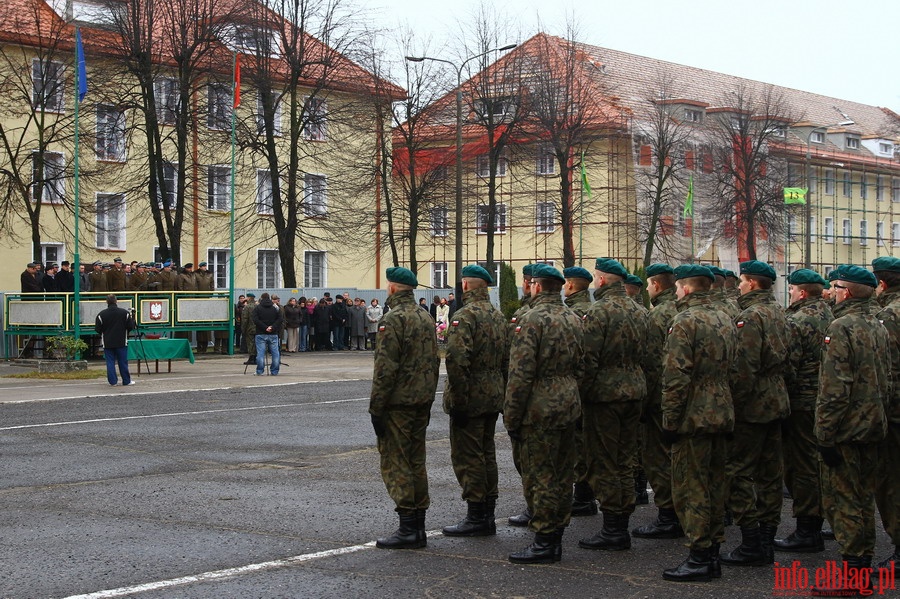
column 886, row 563
column 612, row 537
column 641, row 497
column 665, row 526
column 715, row 565
column 473, row 525
column 490, row 517
column 546, row 549
column 767, row 534
column 420, row 527
column 697, row 567
column 520, row 519
column 827, row 534
column 583, row 503
column 749, row 552
column 407, row 536
column 807, row 538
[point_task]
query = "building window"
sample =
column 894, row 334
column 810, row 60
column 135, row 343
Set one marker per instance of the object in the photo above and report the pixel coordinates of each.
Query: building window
column 693, row 115
column 495, row 272
column 795, row 174
column 48, row 177
column 314, row 269
column 828, row 233
column 817, row 137
column 499, row 219
column 895, row 234
column 315, row 119
column 110, row 221
column 110, row 133
column 828, row 175
column 439, row 275
column 264, row 192
column 315, row 195
column 793, row 228
column 848, row 185
column 439, row 222
column 863, row 232
column 483, row 166
column 52, row 252
column 885, row 149
column 268, row 269
column 545, row 217
column 167, row 189
column 895, row 190
column 47, row 84
column 811, row 228
column 863, row 186
column 847, row 231
column 496, row 108
column 852, row 143
column 879, row 188
column 167, row 91
column 260, row 112
column 546, row 160
column 217, row 263
column 218, row 187
column 778, row 131
column 879, row 232
column 219, row 106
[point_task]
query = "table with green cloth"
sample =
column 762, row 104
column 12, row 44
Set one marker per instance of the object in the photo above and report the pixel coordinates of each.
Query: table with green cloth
column 159, row 349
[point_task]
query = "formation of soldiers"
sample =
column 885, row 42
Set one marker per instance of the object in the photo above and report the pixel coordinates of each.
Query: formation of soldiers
column 117, row 276
column 717, row 392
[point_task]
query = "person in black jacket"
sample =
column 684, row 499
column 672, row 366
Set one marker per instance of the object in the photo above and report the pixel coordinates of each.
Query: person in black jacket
column 113, row 325
column 269, row 322
column 29, row 278
column 48, row 283
column 320, row 324
column 339, row 317
column 65, row 280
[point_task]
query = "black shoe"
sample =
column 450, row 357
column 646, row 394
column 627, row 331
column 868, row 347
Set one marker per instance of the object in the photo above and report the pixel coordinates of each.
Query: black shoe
column 406, row 537
column 520, row 519
column 612, row 537
column 421, row 534
column 767, row 534
column 807, row 538
column 473, row 525
column 665, row 526
column 696, row 568
column 715, row 565
column 546, row 549
column 749, row 552
column 490, row 507
column 583, row 503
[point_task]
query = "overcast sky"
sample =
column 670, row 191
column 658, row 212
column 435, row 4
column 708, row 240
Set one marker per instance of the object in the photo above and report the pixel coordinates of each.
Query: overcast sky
column 844, row 49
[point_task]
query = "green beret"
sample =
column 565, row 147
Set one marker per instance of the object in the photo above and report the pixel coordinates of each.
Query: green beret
column 687, row 271
column 757, row 268
column 659, row 269
column 826, row 285
column 528, row 270
column 202, row 264
column 833, row 275
column 477, row 272
column 856, row 274
column 251, row 294
column 545, row 271
column 805, row 276
column 886, row 263
column 719, row 272
column 404, row 276
column 634, row 280
column 730, row 274
column 576, row 272
column 613, row 267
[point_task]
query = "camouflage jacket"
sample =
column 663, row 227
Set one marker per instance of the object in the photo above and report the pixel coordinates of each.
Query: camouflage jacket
column 579, row 302
column 545, row 361
column 808, row 320
column 477, row 356
column 659, row 320
column 890, row 318
column 761, row 361
column 700, row 342
column 855, row 377
column 514, row 321
column 248, row 327
column 727, row 304
column 615, row 331
column 406, row 357
column 890, row 295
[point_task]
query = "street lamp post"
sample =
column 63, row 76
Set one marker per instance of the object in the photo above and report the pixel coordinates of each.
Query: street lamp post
column 459, row 161
column 807, row 207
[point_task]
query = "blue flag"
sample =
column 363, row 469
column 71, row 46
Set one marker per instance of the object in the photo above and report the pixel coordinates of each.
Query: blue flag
column 81, row 69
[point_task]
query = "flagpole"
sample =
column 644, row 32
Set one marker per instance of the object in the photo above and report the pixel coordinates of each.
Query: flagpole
column 80, row 89
column 236, row 101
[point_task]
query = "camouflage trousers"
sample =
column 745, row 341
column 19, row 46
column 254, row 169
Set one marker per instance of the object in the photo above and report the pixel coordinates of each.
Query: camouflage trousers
column 474, row 457
column 580, row 460
column 657, row 461
column 402, row 451
column 698, row 487
column 848, row 496
column 887, row 491
column 610, row 444
column 548, row 466
column 801, row 464
column 517, row 462
column 754, row 473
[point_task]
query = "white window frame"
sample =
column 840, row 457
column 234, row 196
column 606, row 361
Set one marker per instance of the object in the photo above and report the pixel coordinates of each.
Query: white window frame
column 167, row 92
column 170, row 183
column 817, row 137
column 828, row 230
column 219, row 106
column 309, row 276
column 315, row 194
column 218, row 263
column 846, row 231
column 851, row 143
column 264, row 255
column 811, row 228
column 110, row 223
column 53, row 178
column 545, row 217
column 847, row 184
column 885, row 148
column 793, row 227
column 863, row 186
column 692, row 115
column 315, row 119
column 895, row 189
column 879, row 233
column 260, row 122
column 218, row 187
column 264, row 192
column 895, row 234
column 440, row 272
column 828, row 176
column 879, row 188
column 59, row 250
column 863, row 232
column 110, row 131
column 483, row 166
column 481, row 218
column 546, row 160
column 44, row 97
column 440, row 222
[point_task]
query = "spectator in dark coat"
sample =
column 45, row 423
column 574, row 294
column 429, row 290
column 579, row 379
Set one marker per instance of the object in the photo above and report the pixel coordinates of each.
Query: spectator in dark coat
column 48, row 283
column 322, row 324
column 29, row 279
column 358, row 325
column 339, row 318
column 292, row 324
column 65, row 280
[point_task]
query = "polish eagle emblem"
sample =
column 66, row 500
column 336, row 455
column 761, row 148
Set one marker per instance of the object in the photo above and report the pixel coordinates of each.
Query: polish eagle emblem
column 156, row 310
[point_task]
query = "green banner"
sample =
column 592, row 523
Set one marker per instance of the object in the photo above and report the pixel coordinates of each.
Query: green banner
column 795, row 195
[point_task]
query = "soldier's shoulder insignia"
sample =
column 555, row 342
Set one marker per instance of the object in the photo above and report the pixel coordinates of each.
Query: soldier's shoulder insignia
column 670, row 330
column 827, row 339
column 455, row 323
column 519, row 328
column 740, row 324
column 584, row 317
column 381, row 328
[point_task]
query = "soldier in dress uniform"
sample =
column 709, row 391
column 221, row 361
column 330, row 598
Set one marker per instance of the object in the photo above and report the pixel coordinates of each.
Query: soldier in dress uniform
column 98, row 277
column 165, row 277
column 403, row 386
column 115, row 277
column 204, row 281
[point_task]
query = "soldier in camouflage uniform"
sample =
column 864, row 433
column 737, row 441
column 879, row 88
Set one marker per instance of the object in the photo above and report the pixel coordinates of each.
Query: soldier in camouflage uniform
column 754, row 469
column 579, row 301
column 248, row 328
column 697, row 413
column 887, row 490
column 633, row 287
column 522, row 518
column 854, row 386
column 613, row 388
column 477, row 363
column 655, row 454
column 808, row 316
column 403, row 385
column 721, row 299
column 731, row 286
column 541, row 410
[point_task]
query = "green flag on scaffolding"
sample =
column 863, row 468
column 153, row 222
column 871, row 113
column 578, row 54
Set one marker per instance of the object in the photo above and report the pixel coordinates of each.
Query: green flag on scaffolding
column 795, row 195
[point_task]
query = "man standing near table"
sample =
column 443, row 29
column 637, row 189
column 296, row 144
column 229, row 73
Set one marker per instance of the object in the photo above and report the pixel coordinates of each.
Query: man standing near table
column 113, row 324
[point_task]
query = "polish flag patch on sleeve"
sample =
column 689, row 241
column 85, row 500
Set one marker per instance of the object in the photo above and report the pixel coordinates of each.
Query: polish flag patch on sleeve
column 381, row 328
column 740, row 324
column 670, row 330
column 519, row 328
column 513, row 320
column 455, row 323
column 827, row 339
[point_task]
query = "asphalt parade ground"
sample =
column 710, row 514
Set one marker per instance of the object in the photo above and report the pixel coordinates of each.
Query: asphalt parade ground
column 209, row 483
